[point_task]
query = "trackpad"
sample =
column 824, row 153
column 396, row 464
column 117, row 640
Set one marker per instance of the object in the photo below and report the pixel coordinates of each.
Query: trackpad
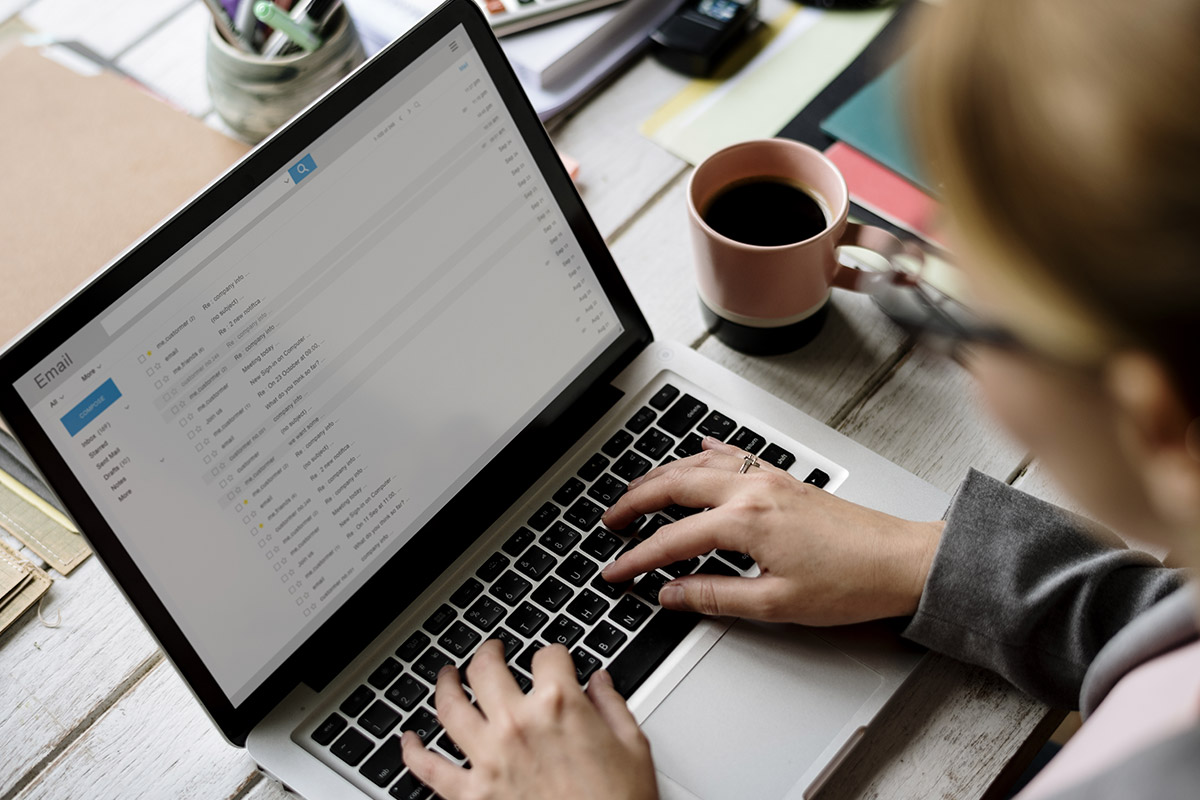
column 756, row 712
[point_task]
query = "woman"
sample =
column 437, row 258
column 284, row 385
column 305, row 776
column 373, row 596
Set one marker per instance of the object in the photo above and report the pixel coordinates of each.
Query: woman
column 1067, row 139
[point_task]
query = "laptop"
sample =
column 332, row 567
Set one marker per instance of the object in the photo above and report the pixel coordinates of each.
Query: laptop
column 358, row 407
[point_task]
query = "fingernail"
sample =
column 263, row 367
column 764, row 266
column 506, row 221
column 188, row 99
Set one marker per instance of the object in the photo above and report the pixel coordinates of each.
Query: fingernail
column 671, row 594
column 710, row 440
column 446, row 669
column 602, row 677
column 604, row 572
column 637, row 481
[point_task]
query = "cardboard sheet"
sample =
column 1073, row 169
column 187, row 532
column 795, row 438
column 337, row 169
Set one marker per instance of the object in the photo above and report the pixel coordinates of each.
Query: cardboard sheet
column 91, row 163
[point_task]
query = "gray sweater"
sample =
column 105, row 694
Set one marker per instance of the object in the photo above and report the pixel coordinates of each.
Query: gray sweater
column 1062, row 609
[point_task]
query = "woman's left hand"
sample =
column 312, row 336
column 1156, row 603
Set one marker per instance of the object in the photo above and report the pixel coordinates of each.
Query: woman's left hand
column 553, row 743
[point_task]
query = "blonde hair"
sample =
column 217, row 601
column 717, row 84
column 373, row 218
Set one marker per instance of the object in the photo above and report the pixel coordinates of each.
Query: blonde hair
column 1066, row 137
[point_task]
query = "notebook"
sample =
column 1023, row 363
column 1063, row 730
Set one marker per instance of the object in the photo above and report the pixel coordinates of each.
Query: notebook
column 384, row 377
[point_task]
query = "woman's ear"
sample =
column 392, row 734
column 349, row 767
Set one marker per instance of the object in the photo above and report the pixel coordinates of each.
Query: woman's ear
column 1159, row 434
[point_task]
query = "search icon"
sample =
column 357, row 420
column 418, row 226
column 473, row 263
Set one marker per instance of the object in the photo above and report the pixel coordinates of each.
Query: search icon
column 302, row 168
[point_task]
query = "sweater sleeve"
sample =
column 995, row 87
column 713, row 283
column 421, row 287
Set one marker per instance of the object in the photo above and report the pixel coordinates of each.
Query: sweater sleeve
column 1031, row 591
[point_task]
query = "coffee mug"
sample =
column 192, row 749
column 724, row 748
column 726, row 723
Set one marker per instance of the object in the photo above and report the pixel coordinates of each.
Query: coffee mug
column 773, row 298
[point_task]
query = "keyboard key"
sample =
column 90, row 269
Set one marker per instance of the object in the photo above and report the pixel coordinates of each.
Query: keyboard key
column 491, row 568
column 664, row 397
column 379, row 719
column 552, row 594
column 714, row 566
column 522, row 680
column 406, row 692
column 511, row 643
column 667, row 460
column 568, row 491
column 542, row 518
column 748, row 440
column 449, row 747
column 689, row 446
column 607, row 490
column 594, row 466
column 605, row 639
column 680, row 418
column 716, row 425
column 617, row 443
column 601, row 544
column 510, row 587
column 412, row 647
column 459, row 640
column 561, row 538
column 537, row 562
column 463, row 596
column 359, row 699
column 645, row 652
column 485, row 614
column 562, row 631
column 585, row 664
column 641, row 420
column 409, row 788
column 676, row 511
column 423, row 723
column 609, row 590
column 439, row 619
column 649, row 585
column 654, row 443
column 431, row 663
column 525, row 660
column 584, row 514
column 630, row 613
column 739, row 560
column 588, row 607
column 651, row 527
column 384, row 674
column 527, row 620
column 352, row 747
column 630, row 466
column 774, row 454
column 576, row 568
column 817, row 478
column 681, row 568
column 328, row 729
column 517, row 543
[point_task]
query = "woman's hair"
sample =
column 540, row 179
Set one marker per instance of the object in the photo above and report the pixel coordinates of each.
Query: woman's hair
column 1065, row 136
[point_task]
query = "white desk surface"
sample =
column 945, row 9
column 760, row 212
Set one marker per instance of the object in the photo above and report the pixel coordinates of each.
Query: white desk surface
column 93, row 710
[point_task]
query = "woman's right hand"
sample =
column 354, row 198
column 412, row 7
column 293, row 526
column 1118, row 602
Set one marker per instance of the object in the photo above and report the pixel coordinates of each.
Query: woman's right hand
column 822, row 560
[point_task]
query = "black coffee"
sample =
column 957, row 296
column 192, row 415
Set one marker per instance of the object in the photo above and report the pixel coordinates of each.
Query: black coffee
column 765, row 212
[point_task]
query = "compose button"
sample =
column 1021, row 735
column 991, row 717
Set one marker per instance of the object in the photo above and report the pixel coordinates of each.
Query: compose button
column 90, row 407
column 302, row 168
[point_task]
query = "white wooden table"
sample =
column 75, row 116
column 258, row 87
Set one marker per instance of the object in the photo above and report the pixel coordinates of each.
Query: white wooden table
column 91, row 709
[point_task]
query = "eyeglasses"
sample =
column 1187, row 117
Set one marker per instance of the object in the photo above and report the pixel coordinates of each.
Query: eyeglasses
column 927, row 313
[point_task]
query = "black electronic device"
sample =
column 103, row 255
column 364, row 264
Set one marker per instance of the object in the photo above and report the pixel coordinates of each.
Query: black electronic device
column 701, row 33
column 847, row 5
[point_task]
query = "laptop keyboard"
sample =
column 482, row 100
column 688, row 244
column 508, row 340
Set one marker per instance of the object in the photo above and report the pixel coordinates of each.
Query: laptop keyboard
column 543, row 586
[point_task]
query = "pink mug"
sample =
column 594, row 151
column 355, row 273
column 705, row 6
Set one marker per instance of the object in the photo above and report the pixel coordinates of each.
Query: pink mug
column 773, row 299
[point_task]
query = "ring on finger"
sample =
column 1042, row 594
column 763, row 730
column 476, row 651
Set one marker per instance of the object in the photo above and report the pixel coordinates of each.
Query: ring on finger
column 749, row 461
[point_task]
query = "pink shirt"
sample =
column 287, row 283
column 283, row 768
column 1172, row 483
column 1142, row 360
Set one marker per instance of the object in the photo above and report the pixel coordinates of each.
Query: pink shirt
column 1159, row 699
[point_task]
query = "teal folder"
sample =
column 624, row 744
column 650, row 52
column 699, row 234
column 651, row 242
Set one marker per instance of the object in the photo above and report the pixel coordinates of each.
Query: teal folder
column 873, row 122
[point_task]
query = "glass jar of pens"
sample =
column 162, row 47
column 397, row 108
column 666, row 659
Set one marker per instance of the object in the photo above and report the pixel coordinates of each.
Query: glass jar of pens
column 266, row 62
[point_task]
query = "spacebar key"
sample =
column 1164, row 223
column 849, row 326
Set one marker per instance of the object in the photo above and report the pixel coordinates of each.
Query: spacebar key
column 648, row 649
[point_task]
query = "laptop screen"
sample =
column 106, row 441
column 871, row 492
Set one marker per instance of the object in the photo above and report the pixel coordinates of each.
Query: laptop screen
column 272, row 414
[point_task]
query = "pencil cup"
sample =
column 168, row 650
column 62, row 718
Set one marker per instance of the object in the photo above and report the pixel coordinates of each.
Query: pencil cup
column 255, row 95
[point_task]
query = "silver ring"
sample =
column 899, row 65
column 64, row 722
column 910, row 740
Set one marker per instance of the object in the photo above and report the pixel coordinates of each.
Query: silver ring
column 748, row 462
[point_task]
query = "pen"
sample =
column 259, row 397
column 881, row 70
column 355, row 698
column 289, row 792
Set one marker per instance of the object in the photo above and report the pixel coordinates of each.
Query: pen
column 313, row 13
column 244, row 21
column 270, row 14
column 225, row 26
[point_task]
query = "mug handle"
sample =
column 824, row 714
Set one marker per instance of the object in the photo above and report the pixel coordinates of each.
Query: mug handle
column 879, row 241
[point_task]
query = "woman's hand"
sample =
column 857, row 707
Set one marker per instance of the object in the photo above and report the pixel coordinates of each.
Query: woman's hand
column 554, row 743
column 823, row 560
